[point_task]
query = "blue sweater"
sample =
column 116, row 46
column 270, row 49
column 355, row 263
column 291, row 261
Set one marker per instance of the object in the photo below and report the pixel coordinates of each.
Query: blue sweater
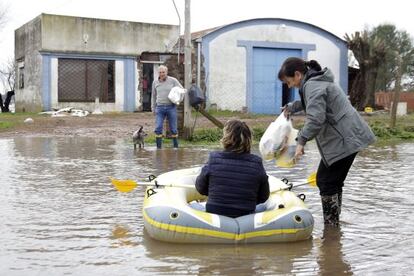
column 233, row 182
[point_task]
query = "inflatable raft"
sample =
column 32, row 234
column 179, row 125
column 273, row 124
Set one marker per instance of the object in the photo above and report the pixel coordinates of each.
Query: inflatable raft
column 169, row 215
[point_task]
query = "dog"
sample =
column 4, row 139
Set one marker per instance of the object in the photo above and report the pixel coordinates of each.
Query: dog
column 138, row 137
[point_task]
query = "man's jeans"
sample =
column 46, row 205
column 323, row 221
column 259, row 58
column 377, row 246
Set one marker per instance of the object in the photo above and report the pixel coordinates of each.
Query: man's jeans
column 169, row 111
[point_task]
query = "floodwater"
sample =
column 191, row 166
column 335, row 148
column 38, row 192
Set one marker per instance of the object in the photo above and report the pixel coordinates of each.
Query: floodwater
column 59, row 215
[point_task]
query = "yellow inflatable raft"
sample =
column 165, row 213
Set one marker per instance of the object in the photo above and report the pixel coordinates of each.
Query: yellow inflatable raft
column 168, row 215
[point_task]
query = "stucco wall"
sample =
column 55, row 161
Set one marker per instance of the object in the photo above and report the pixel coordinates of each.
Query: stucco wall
column 227, row 62
column 40, row 42
column 27, row 45
column 89, row 35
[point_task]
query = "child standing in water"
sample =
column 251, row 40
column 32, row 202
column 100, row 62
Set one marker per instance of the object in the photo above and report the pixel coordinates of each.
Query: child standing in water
column 234, row 180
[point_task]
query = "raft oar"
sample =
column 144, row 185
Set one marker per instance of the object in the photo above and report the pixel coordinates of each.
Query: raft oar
column 127, row 185
column 311, row 180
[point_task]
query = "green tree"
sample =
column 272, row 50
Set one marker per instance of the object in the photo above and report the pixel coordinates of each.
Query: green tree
column 399, row 43
column 369, row 52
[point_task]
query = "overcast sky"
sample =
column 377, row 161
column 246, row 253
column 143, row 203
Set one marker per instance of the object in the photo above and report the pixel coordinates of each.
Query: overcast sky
column 338, row 17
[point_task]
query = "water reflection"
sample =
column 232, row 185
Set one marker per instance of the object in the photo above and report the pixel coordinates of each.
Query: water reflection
column 60, row 215
column 227, row 259
column 121, row 236
column 330, row 256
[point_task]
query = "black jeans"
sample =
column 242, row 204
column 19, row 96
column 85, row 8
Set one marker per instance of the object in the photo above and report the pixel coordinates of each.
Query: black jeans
column 330, row 180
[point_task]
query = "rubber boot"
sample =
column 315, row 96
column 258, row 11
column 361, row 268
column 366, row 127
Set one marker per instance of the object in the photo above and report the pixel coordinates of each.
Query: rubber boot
column 331, row 209
column 158, row 140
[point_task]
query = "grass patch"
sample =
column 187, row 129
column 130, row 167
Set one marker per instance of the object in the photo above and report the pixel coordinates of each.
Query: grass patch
column 4, row 125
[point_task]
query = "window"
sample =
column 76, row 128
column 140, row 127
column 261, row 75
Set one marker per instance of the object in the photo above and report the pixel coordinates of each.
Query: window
column 20, row 75
column 84, row 80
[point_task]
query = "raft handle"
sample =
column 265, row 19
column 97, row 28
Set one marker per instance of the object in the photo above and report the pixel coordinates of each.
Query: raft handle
column 174, row 215
column 302, row 197
column 151, row 177
column 284, row 180
column 151, row 192
column 297, row 218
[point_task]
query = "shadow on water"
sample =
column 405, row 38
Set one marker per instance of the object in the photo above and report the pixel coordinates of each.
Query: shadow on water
column 60, row 215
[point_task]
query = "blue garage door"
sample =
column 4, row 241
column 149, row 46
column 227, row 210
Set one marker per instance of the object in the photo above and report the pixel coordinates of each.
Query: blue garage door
column 267, row 89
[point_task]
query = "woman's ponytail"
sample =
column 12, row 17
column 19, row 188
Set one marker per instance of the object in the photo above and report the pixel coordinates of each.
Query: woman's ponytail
column 313, row 64
column 293, row 64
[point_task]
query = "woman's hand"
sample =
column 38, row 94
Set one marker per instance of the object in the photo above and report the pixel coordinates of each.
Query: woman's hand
column 300, row 150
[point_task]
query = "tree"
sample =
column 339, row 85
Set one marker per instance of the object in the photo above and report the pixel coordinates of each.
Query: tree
column 397, row 90
column 8, row 74
column 7, row 77
column 3, row 16
column 399, row 43
column 369, row 52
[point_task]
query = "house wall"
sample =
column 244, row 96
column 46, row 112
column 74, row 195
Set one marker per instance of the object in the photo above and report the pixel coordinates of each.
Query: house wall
column 42, row 41
column 228, row 55
column 27, row 45
column 90, row 35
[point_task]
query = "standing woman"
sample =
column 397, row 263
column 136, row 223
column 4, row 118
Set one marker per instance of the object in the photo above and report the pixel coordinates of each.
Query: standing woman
column 338, row 129
column 162, row 107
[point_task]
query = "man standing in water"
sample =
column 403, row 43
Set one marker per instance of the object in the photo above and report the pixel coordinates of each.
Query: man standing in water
column 162, row 107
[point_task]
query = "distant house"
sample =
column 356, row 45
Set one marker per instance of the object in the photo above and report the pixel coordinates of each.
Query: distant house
column 70, row 61
column 241, row 61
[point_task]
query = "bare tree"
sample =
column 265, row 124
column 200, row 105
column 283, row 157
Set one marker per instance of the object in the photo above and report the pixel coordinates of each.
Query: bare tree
column 8, row 78
column 397, row 91
column 3, row 15
column 8, row 74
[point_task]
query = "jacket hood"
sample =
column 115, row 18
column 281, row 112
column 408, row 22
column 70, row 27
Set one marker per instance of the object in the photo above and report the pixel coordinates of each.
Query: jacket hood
column 323, row 75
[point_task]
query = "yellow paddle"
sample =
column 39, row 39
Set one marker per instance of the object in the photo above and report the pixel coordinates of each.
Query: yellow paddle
column 311, row 180
column 127, row 185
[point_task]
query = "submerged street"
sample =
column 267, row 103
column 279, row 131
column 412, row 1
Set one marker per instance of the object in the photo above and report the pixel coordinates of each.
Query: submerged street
column 60, row 214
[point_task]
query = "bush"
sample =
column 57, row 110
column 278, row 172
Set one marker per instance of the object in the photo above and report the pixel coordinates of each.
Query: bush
column 385, row 132
column 207, row 135
column 258, row 133
column 213, row 135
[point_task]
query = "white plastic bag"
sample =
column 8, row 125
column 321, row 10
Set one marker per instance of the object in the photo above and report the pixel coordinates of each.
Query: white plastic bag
column 278, row 142
column 176, row 95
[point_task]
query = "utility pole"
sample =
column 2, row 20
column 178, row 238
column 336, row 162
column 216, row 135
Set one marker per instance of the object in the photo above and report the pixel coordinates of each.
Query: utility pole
column 187, row 71
column 397, row 90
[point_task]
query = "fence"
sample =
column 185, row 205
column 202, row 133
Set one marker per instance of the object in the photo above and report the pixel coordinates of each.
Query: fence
column 384, row 99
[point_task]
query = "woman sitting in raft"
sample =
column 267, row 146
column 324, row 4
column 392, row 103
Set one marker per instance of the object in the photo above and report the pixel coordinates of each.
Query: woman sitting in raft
column 234, row 180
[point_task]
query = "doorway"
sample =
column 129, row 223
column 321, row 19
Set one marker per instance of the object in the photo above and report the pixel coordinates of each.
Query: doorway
column 147, row 80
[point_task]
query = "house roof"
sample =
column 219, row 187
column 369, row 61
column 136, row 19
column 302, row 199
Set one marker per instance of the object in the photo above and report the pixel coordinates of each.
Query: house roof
column 223, row 28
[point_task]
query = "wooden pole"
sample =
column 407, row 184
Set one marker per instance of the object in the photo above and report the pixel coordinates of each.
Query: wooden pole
column 187, row 130
column 397, row 90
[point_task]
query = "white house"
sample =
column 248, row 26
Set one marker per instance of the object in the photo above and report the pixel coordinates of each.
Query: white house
column 241, row 61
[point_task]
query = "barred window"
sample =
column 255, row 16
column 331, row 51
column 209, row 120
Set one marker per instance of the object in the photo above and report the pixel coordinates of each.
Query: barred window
column 82, row 80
